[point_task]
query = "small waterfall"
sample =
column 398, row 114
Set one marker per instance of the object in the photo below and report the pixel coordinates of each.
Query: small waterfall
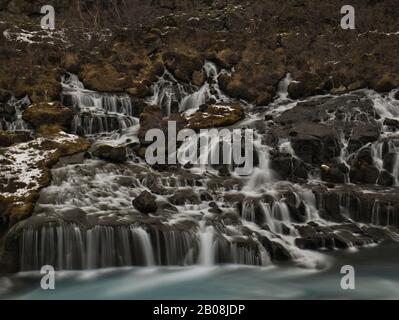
column 173, row 96
column 262, row 175
column 12, row 121
column 344, row 155
column 97, row 113
column 282, row 90
column 207, row 246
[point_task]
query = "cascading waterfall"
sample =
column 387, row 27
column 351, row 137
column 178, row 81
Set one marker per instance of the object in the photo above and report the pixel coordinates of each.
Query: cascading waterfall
column 92, row 223
column 174, row 97
column 97, row 113
column 13, row 120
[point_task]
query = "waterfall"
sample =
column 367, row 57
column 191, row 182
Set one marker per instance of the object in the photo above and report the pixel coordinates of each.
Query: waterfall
column 97, row 113
column 173, row 96
column 207, row 249
column 13, row 121
column 282, row 89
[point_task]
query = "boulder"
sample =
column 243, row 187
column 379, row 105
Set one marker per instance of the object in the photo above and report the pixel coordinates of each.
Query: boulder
column 42, row 114
column 182, row 64
column 145, row 202
column 215, row 116
column 307, row 84
column 184, row 196
column 103, row 77
column 116, row 154
column 386, row 83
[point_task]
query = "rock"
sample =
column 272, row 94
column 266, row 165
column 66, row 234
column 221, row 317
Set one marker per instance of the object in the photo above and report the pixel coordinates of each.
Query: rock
column 389, row 161
column 215, row 116
column 363, row 133
column 150, row 118
column 205, row 196
column 70, row 62
column 166, row 206
column 7, row 112
column 45, row 114
column 145, row 203
column 307, row 84
column 333, row 174
column 364, row 173
column 104, row 78
column 184, row 196
column 8, row 139
column 199, row 78
column 227, row 58
column 115, row 154
column 287, row 167
column 182, row 64
column 392, row 123
column 385, row 179
column 19, row 192
column 386, row 83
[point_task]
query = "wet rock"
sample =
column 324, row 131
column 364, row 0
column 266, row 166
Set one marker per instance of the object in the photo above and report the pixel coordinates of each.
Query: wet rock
column 205, row 196
column 392, row 123
column 362, row 134
column 115, row 154
column 364, row 173
column 288, row 167
column 333, row 173
column 145, row 202
column 167, row 207
column 184, row 196
column 385, row 179
column 7, row 112
column 389, row 161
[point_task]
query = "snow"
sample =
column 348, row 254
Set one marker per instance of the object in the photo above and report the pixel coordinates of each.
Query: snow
column 22, row 164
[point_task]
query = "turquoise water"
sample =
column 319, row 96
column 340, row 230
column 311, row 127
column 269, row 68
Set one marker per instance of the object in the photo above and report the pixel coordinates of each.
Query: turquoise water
column 376, row 278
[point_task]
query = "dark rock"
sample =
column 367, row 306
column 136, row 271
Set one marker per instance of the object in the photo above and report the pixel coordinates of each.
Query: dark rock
column 392, row 123
column 110, row 153
column 308, row 84
column 184, row 196
column 385, row 179
column 44, row 114
column 145, row 202
column 205, row 196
